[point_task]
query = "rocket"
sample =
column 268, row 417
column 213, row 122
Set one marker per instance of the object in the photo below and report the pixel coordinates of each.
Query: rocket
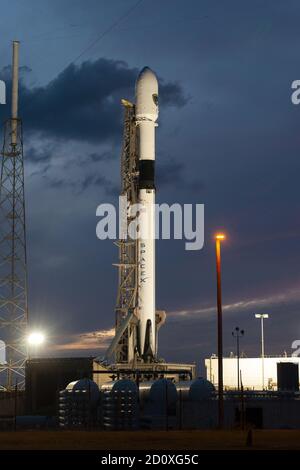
column 146, row 116
column 137, row 321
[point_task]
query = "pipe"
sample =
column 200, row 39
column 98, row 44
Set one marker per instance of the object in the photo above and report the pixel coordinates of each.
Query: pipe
column 15, row 92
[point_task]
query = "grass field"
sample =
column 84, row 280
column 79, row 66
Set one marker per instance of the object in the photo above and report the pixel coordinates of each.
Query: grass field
column 147, row 440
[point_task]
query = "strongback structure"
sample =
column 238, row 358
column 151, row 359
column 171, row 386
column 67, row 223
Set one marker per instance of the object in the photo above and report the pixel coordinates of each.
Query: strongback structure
column 128, row 248
column 13, row 269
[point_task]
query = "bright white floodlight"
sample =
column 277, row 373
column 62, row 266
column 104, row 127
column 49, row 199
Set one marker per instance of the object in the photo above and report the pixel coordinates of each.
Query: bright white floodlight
column 36, row 338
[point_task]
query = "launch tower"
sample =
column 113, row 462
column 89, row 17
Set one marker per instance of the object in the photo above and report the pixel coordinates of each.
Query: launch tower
column 13, row 265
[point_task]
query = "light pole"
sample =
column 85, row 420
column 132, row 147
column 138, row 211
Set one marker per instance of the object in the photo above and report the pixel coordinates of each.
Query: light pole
column 237, row 333
column 262, row 316
column 220, row 237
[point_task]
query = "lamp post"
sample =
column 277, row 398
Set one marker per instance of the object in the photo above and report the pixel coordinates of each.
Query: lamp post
column 262, row 316
column 237, row 333
column 218, row 238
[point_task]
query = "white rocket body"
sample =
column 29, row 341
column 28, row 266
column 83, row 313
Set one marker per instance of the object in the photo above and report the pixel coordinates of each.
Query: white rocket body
column 146, row 116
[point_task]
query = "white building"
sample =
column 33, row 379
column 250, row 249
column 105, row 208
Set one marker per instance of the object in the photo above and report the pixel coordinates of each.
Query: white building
column 251, row 371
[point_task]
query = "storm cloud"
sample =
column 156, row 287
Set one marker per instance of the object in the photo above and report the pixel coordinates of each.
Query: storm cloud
column 83, row 102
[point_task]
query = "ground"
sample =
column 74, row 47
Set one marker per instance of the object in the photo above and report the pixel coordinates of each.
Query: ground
column 148, row 440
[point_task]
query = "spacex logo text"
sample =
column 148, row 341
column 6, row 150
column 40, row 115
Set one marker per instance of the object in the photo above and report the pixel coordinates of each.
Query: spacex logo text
column 140, row 222
column 143, row 265
column 2, row 92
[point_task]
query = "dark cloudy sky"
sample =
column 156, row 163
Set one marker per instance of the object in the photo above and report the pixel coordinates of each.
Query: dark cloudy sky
column 229, row 137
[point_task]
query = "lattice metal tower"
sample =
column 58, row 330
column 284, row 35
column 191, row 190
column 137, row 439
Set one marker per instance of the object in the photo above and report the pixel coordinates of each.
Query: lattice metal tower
column 13, row 268
column 127, row 285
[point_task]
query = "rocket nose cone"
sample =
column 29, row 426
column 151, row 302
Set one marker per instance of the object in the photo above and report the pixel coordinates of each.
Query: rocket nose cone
column 146, row 70
column 147, row 78
column 146, row 93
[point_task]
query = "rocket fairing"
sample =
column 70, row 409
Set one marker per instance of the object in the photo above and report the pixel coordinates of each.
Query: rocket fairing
column 146, row 116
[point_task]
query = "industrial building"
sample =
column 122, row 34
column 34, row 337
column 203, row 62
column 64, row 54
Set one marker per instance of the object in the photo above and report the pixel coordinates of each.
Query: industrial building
column 250, row 410
column 257, row 373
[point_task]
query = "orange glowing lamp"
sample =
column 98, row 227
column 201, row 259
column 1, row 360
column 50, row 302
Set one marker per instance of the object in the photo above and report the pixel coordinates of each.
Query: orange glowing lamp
column 220, row 236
